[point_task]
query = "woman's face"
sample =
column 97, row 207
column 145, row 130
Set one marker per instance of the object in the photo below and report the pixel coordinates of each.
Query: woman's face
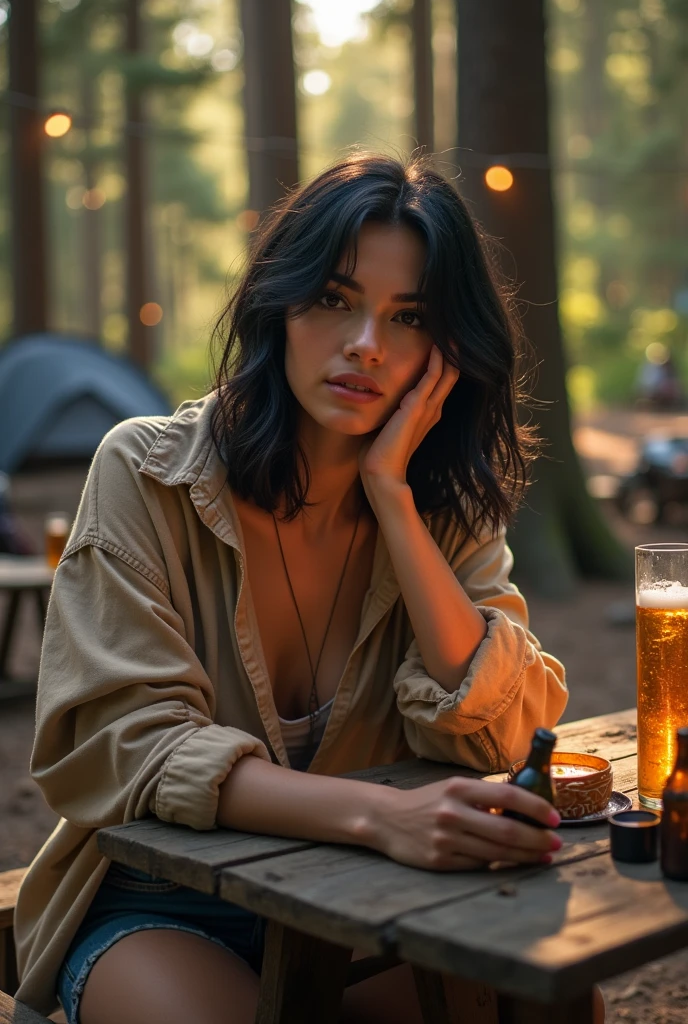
column 368, row 325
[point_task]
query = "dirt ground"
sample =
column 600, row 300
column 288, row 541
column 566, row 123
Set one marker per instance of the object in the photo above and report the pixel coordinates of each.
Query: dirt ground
column 591, row 634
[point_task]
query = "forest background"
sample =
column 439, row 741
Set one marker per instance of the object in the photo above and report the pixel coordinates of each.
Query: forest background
column 618, row 74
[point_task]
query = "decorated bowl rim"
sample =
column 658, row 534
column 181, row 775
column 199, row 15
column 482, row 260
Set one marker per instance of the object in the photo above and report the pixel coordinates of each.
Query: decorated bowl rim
column 595, row 761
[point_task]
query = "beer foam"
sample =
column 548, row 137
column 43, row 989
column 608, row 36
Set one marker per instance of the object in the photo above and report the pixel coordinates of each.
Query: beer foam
column 668, row 596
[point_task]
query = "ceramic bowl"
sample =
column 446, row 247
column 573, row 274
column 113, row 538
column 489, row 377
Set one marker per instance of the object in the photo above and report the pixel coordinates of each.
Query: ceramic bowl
column 576, row 796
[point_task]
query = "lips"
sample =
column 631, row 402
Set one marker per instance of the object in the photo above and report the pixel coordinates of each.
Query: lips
column 356, row 381
column 352, row 387
column 352, row 394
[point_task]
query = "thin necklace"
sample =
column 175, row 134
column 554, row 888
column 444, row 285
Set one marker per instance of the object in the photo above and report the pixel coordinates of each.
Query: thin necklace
column 313, row 702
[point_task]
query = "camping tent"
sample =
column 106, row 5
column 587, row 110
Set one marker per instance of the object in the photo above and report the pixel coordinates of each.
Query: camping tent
column 59, row 396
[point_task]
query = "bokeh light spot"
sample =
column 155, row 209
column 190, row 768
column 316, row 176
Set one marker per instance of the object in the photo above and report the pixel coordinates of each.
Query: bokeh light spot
column 247, row 220
column 93, row 198
column 316, row 83
column 150, row 314
column 499, row 178
column 657, row 353
column 57, row 125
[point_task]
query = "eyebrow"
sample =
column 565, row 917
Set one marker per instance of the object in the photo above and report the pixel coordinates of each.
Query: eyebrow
column 349, row 282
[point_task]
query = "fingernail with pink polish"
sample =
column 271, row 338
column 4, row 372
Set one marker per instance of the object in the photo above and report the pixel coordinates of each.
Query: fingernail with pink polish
column 554, row 819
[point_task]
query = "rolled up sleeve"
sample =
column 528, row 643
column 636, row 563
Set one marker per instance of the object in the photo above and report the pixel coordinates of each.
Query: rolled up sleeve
column 512, row 686
column 124, row 724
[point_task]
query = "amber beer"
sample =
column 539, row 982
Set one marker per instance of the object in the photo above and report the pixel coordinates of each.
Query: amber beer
column 57, row 528
column 662, row 650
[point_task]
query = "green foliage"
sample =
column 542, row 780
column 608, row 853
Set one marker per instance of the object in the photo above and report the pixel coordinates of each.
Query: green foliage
column 185, row 374
column 619, row 75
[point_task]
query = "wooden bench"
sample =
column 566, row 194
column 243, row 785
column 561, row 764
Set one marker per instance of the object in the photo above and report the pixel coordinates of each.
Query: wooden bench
column 20, row 576
column 9, row 887
column 12, row 1012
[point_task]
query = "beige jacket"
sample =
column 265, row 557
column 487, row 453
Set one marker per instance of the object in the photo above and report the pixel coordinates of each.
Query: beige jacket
column 153, row 681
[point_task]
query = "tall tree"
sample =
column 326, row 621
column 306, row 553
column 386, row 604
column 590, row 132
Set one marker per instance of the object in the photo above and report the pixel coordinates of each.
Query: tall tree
column 92, row 247
column 137, row 261
column 29, row 259
column 421, row 36
column 269, row 100
column 503, row 119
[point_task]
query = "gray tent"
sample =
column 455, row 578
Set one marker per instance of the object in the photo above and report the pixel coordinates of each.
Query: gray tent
column 59, row 396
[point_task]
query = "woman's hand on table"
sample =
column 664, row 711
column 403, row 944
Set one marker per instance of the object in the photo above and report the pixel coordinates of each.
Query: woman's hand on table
column 447, row 826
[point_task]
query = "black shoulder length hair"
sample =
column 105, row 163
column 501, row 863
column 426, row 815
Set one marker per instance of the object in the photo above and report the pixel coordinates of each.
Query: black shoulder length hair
column 473, row 462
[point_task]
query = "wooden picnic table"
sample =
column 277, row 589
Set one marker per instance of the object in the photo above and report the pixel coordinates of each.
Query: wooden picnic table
column 20, row 576
column 494, row 947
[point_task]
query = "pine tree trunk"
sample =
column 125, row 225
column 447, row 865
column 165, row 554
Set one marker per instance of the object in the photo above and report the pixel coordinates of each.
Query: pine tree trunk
column 92, row 240
column 269, row 101
column 503, row 112
column 421, row 35
column 29, row 252
column 140, row 337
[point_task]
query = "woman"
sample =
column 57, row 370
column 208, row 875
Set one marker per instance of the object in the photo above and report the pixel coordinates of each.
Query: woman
column 305, row 569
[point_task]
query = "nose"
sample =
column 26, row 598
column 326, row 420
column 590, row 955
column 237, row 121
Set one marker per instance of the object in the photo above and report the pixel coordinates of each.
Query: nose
column 364, row 340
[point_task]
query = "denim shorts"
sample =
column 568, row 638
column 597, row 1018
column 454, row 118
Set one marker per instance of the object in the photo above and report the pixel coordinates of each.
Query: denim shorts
column 130, row 901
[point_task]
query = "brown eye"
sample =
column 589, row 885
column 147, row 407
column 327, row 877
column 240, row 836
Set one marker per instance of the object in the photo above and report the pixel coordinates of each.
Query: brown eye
column 409, row 318
column 331, row 300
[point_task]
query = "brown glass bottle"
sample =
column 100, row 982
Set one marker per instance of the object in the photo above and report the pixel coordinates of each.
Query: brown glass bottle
column 535, row 774
column 674, row 827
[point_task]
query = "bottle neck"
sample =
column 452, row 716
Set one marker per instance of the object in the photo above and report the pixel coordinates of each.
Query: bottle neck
column 682, row 755
column 540, row 757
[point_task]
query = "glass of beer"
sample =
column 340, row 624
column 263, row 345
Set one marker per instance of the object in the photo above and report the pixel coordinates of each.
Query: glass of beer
column 57, row 527
column 661, row 584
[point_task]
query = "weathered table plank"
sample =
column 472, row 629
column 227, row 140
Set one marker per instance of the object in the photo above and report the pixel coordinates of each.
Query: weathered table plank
column 353, row 895
column 611, row 736
column 556, row 935
column 186, row 855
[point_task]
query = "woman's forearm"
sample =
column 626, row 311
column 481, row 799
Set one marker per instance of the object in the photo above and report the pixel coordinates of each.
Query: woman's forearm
column 258, row 796
column 442, row 826
column 446, row 624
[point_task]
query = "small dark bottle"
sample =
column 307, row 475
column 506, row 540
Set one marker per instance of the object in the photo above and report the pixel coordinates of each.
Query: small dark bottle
column 535, row 774
column 674, row 827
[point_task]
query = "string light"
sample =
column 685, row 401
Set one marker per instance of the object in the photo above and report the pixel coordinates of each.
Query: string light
column 57, row 125
column 499, row 178
column 459, row 156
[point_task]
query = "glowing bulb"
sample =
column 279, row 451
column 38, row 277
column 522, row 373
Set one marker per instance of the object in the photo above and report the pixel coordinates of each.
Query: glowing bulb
column 150, row 314
column 499, row 178
column 57, row 125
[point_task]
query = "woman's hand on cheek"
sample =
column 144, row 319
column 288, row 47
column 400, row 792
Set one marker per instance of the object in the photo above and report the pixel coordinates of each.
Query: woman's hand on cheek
column 384, row 458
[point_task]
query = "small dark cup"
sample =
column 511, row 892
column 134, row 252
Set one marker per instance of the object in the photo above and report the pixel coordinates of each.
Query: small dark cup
column 633, row 836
